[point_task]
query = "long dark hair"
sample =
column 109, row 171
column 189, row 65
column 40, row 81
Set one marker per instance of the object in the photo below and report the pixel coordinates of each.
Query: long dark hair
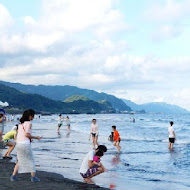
column 26, row 115
column 102, row 148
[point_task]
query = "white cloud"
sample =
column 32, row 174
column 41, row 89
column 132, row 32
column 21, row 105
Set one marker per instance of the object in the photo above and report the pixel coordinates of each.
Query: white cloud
column 40, row 42
column 100, row 66
column 113, row 63
column 77, row 43
column 5, row 18
column 169, row 10
column 168, row 18
column 111, row 25
column 183, row 94
column 37, row 42
column 159, row 99
column 75, row 15
column 28, row 20
column 167, row 32
column 60, row 21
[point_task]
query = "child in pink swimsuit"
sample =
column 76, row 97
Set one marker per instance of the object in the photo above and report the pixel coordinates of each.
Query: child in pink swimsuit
column 96, row 160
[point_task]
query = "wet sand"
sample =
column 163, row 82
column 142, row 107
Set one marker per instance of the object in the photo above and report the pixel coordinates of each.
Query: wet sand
column 49, row 181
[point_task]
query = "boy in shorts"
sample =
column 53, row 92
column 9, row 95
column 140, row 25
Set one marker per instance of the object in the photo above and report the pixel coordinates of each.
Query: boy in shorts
column 172, row 136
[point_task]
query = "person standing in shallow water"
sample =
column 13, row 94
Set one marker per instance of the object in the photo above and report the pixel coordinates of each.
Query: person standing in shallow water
column 25, row 163
column 68, row 123
column 94, row 132
column 116, row 138
column 172, row 136
column 60, row 123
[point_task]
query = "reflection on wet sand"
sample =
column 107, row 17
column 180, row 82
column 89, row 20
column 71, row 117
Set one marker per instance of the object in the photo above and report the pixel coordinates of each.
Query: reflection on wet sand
column 58, row 134
column 68, row 134
column 116, row 159
column 1, row 149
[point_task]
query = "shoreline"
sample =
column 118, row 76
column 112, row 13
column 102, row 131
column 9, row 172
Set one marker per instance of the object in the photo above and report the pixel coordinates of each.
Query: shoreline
column 48, row 181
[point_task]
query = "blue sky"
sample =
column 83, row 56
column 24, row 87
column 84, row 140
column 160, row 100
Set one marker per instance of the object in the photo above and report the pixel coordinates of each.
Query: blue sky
column 138, row 50
column 20, row 8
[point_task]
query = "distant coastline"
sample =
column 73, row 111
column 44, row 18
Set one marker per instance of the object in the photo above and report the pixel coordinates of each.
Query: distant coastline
column 73, row 100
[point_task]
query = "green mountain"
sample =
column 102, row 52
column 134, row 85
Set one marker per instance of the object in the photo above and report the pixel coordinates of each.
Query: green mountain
column 76, row 98
column 101, row 106
column 106, row 105
column 63, row 92
column 83, row 104
column 22, row 101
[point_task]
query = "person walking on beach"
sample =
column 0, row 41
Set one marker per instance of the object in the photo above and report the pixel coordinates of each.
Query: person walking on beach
column 25, row 159
column 172, row 136
column 94, row 133
column 2, row 121
column 88, row 168
column 9, row 140
column 116, row 138
column 60, row 123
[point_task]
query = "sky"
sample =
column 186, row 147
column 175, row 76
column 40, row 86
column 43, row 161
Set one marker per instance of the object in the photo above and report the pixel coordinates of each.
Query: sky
column 137, row 50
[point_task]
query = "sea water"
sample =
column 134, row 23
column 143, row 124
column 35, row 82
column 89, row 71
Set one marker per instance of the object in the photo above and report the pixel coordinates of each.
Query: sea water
column 144, row 162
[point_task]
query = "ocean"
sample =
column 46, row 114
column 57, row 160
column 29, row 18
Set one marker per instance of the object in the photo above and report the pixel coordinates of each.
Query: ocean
column 144, row 162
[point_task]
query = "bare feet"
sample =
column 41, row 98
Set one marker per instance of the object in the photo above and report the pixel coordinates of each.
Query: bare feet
column 89, row 181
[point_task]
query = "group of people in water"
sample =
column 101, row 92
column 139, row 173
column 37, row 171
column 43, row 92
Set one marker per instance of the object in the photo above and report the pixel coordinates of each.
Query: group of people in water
column 21, row 136
column 94, row 132
column 61, row 119
column 91, row 165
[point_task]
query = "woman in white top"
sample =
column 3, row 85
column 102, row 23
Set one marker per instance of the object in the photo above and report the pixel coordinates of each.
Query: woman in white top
column 25, row 157
column 94, row 132
column 172, row 135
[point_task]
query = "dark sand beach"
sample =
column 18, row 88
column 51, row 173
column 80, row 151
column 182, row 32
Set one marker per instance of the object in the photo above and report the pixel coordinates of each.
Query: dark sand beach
column 49, row 181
